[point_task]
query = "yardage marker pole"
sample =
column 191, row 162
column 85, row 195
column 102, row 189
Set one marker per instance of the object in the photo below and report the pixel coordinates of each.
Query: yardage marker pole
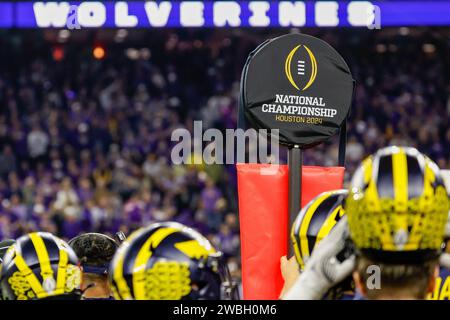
column 295, row 160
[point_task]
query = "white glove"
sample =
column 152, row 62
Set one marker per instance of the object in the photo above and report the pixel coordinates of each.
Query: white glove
column 323, row 270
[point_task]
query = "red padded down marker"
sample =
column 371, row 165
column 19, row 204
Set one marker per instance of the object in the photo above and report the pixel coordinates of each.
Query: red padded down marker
column 263, row 216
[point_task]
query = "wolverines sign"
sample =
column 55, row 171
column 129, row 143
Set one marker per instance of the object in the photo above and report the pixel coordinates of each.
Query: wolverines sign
column 299, row 85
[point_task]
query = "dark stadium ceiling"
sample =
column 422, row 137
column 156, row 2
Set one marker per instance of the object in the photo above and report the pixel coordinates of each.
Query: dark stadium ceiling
column 142, row 38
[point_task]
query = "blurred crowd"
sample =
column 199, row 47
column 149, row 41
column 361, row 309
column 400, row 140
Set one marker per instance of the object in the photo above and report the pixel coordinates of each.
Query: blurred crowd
column 85, row 143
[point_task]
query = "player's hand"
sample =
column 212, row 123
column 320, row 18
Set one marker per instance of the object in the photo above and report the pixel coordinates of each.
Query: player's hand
column 323, row 270
column 289, row 271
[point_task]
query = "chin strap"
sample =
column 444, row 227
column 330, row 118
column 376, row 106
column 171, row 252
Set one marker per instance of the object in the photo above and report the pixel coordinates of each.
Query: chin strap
column 92, row 285
column 229, row 288
column 89, row 286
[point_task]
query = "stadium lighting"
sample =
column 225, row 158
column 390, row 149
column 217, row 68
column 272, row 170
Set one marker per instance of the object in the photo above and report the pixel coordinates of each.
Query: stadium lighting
column 98, row 52
column 404, row 31
column 132, row 54
column 428, row 48
column 63, row 35
column 58, row 54
column 121, row 35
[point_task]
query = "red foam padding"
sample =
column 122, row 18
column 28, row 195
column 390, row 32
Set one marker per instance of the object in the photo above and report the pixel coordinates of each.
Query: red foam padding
column 263, row 215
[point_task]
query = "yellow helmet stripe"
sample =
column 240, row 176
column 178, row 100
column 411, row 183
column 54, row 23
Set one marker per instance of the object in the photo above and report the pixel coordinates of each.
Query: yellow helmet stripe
column 417, row 227
column 123, row 291
column 295, row 244
column 42, row 254
column 400, row 181
column 372, row 196
column 142, row 258
column 329, row 223
column 62, row 269
column 122, row 286
column 428, row 180
column 367, row 168
column 428, row 190
column 306, row 221
column 30, row 276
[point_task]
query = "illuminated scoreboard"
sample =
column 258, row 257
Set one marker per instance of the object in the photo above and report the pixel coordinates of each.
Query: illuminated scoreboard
column 160, row 14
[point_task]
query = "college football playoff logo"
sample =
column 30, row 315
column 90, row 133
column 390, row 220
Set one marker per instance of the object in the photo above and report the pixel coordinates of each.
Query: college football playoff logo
column 300, row 67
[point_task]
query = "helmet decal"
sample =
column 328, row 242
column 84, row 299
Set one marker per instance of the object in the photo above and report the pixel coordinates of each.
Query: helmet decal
column 21, row 287
column 144, row 254
column 194, row 249
column 167, row 280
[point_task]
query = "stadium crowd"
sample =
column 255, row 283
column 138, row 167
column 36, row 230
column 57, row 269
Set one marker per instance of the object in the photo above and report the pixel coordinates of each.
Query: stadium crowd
column 85, row 143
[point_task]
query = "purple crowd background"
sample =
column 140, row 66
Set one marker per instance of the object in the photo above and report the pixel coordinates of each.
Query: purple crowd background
column 85, row 144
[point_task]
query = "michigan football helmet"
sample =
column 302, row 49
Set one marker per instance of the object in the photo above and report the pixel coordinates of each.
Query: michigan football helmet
column 169, row 261
column 397, row 206
column 40, row 266
column 315, row 221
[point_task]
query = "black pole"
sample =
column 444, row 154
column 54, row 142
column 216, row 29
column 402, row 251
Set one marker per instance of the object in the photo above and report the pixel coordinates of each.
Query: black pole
column 295, row 160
